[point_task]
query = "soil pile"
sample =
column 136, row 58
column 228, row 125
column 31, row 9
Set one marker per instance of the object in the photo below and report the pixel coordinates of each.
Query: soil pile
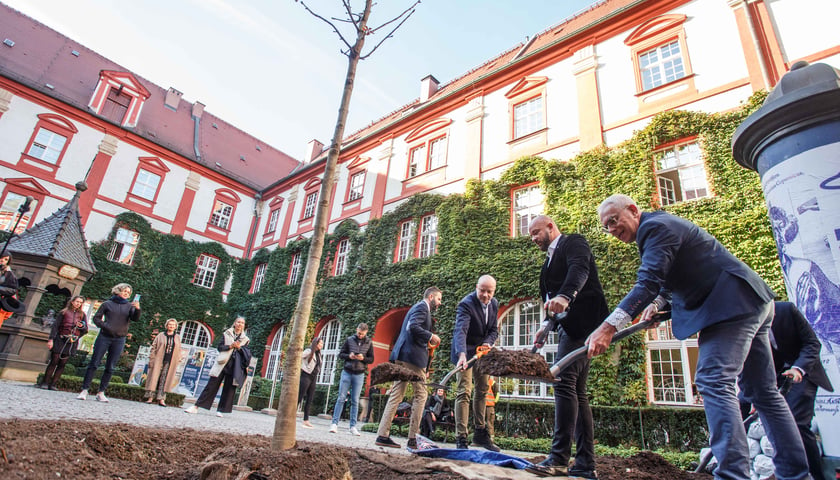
column 391, row 372
column 517, row 364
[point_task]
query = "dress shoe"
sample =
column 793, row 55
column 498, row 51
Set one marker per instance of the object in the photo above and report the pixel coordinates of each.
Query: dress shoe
column 51, row 387
column 588, row 474
column 462, row 443
column 548, row 468
column 386, row 442
column 412, row 443
column 483, row 440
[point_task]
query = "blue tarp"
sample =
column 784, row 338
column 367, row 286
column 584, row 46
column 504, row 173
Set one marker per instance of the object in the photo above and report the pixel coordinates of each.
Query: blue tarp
column 476, row 456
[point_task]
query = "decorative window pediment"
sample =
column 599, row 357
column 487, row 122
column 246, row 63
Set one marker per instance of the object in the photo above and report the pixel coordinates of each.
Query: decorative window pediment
column 427, row 129
column 525, row 85
column 119, row 96
column 655, row 27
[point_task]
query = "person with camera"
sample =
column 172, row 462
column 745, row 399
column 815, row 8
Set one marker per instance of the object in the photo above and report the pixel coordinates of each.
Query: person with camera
column 113, row 319
column 8, row 288
column 357, row 353
column 67, row 329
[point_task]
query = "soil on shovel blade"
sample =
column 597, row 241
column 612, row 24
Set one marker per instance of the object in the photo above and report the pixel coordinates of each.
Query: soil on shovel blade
column 58, row 449
column 391, row 372
column 516, row 364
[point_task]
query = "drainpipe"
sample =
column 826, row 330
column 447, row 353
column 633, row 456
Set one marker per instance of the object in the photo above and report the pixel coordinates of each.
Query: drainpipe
column 198, row 109
column 759, row 53
column 254, row 224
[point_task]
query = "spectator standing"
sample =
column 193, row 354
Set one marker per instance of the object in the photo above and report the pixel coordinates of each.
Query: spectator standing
column 230, row 369
column 163, row 364
column 357, row 353
column 67, row 329
column 569, row 282
column 714, row 294
column 309, row 368
column 113, row 319
column 476, row 326
column 490, row 406
column 412, row 352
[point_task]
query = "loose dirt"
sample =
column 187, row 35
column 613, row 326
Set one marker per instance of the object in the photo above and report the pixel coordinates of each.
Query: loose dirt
column 88, row 450
column 391, row 372
column 516, row 364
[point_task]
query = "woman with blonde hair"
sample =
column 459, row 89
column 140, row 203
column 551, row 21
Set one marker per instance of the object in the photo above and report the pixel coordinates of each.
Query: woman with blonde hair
column 163, row 363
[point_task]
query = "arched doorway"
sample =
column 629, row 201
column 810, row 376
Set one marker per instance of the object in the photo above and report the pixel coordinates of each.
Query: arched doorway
column 385, row 336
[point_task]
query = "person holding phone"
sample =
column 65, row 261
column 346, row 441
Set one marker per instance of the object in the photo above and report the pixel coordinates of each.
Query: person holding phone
column 68, row 328
column 113, row 319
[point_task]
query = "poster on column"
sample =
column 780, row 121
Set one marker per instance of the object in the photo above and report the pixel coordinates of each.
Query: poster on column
column 803, row 199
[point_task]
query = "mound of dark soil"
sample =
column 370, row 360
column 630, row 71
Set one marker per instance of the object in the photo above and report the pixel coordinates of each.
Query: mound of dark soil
column 516, row 364
column 391, row 372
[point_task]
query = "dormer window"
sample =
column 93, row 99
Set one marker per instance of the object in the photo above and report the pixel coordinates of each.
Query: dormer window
column 119, row 97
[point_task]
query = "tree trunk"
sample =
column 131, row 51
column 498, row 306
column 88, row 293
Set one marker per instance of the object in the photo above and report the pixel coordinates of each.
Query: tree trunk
column 285, row 425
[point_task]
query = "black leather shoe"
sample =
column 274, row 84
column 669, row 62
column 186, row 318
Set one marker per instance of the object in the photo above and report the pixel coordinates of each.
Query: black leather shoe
column 52, row 387
column 462, row 443
column 548, row 468
column 483, row 440
column 386, row 442
column 412, row 443
column 588, row 474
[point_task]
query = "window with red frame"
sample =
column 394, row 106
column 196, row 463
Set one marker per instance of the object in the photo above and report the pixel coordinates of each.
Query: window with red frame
column 404, row 244
column 205, row 272
column 428, row 236
column 125, row 244
column 341, row 254
column 294, row 269
column 311, row 203
column 47, row 146
column 357, row 185
column 221, row 215
column 528, row 117
column 9, row 212
column 273, row 218
column 146, row 185
column 527, row 204
column 427, row 156
column 259, row 276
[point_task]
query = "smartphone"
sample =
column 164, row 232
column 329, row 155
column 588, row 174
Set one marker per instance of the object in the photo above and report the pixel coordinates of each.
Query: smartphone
column 136, row 298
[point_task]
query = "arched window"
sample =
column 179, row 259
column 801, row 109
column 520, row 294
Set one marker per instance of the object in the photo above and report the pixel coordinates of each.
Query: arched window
column 331, row 334
column 274, row 367
column 194, row 334
column 517, row 330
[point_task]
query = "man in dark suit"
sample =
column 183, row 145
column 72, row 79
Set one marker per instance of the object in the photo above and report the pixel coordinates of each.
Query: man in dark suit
column 796, row 355
column 411, row 351
column 569, row 281
column 476, row 325
column 717, row 295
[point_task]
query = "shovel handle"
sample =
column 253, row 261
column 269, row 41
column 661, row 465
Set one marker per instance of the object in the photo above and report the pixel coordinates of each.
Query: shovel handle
column 553, row 320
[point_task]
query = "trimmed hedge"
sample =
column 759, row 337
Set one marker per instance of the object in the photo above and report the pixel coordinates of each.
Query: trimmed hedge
column 115, row 390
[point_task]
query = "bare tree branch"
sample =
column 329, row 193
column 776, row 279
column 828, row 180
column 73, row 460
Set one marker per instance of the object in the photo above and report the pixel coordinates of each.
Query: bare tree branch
column 409, row 10
column 350, row 14
column 335, row 29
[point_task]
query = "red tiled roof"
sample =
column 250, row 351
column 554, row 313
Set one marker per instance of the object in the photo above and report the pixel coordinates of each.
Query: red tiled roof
column 568, row 28
column 42, row 56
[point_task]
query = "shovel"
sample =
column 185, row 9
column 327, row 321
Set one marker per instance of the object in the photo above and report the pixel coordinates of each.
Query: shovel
column 480, row 351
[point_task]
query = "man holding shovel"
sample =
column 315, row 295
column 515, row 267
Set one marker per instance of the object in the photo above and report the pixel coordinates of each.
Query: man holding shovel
column 476, row 326
column 569, row 281
column 718, row 296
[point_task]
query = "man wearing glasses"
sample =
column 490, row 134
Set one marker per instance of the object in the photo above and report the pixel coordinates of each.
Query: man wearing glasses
column 717, row 295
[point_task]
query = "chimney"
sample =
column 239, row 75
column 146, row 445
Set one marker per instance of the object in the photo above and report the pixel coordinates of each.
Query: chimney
column 428, row 87
column 198, row 109
column 313, row 149
column 173, row 98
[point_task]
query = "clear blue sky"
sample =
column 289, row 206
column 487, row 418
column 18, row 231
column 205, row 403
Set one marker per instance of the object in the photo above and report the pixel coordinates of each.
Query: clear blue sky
column 276, row 72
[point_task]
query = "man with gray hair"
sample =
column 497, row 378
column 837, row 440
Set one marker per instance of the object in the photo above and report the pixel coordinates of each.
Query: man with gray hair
column 717, row 296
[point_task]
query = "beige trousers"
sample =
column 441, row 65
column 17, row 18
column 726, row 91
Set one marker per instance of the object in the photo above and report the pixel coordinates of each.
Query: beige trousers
column 395, row 396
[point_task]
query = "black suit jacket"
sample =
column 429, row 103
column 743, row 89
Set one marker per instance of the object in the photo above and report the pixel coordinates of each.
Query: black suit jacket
column 572, row 273
column 471, row 330
column 797, row 345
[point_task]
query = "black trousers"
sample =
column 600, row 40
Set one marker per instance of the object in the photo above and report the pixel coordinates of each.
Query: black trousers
column 800, row 399
column 55, row 368
column 306, row 392
column 572, row 415
column 205, row 400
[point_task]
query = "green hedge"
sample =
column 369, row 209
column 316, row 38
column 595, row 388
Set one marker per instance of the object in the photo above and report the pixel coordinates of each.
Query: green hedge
column 115, row 390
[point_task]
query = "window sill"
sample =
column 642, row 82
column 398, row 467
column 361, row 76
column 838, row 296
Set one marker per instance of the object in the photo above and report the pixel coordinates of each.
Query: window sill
column 143, row 205
column 541, row 133
column 658, row 97
column 34, row 164
column 427, row 173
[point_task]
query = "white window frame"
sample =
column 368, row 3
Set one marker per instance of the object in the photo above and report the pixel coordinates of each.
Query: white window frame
column 528, row 117
column 527, row 203
column 222, row 214
column 259, row 276
column 416, row 160
column 661, row 64
column 194, row 334
column 9, row 212
column 342, row 252
column 428, row 236
column 294, row 269
column 405, row 246
column 681, row 173
column 274, row 365
column 331, row 335
column 273, row 217
column 357, row 185
column 670, row 381
column 205, row 271
column 146, row 185
column 124, row 247
column 437, row 152
column 47, row 146
column 311, row 202
column 517, row 328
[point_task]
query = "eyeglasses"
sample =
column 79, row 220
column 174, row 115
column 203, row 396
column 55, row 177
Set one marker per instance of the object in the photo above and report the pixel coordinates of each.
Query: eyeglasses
column 611, row 222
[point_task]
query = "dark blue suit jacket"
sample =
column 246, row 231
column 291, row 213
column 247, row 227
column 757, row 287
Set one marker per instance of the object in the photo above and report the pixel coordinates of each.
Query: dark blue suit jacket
column 471, row 330
column 413, row 343
column 797, row 345
column 704, row 281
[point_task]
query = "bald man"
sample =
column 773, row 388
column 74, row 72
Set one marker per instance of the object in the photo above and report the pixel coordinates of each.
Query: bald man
column 476, row 324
